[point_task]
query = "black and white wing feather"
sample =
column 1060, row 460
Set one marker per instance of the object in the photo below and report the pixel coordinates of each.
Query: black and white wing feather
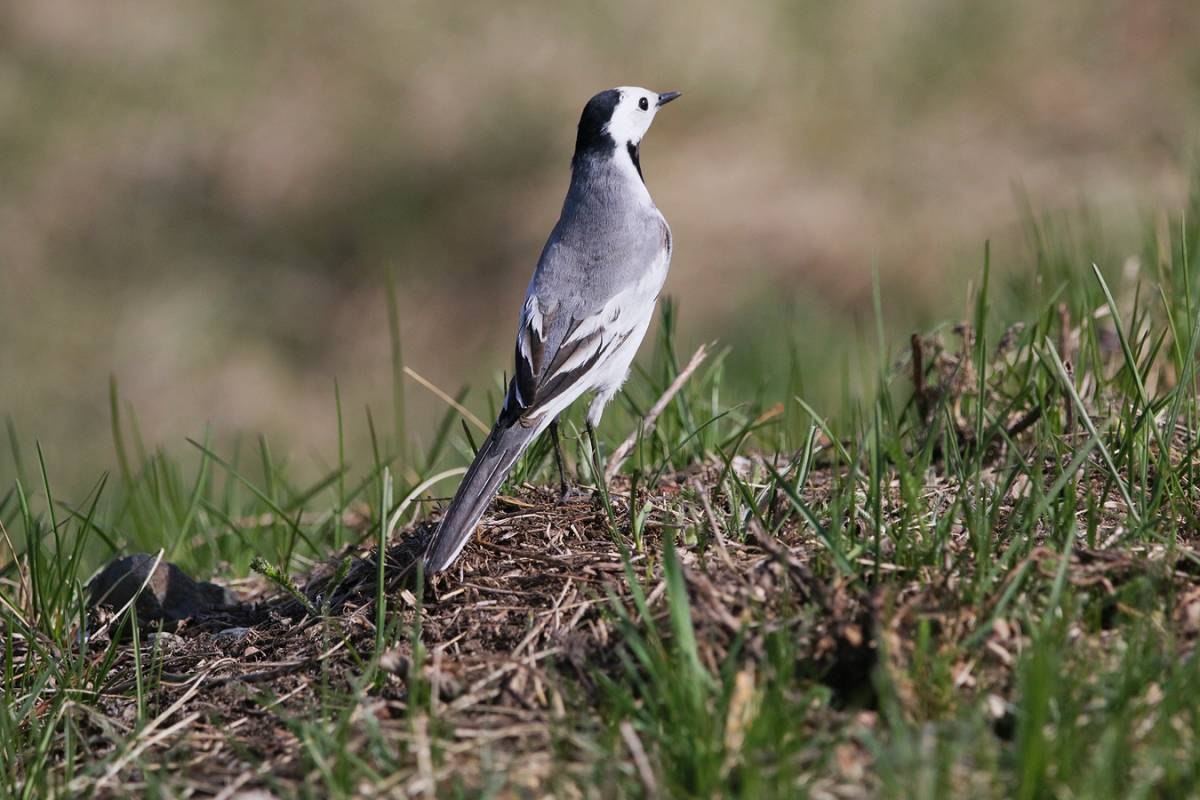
column 552, row 372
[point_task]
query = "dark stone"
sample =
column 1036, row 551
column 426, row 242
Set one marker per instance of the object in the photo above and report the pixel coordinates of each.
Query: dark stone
column 170, row 594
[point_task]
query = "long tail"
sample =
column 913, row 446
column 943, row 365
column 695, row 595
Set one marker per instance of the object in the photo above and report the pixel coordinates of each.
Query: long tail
column 492, row 464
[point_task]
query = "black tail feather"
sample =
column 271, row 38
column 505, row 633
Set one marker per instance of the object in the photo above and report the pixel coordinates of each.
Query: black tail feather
column 491, row 466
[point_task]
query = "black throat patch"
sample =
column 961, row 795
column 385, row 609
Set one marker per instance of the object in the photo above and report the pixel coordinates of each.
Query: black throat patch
column 635, row 152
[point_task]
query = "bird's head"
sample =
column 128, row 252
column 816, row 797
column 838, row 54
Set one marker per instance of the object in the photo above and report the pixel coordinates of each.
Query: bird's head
column 617, row 119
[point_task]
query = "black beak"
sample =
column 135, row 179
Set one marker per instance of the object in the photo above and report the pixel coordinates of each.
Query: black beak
column 667, row 97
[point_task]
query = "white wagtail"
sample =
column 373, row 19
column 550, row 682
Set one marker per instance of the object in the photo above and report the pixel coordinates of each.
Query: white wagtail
column 586, row 309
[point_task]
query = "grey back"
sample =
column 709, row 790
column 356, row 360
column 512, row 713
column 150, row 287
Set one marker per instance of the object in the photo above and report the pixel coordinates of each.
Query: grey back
column 607, row 236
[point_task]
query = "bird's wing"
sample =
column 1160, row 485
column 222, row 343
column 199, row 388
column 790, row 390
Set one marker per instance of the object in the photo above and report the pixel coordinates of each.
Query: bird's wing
column 551, row 371
column 580, row 309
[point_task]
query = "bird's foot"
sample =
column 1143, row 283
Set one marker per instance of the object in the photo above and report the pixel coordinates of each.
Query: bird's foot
column 571, row 494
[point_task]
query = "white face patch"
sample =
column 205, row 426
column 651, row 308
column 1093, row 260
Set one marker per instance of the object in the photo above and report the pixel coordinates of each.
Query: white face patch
column 630, row 120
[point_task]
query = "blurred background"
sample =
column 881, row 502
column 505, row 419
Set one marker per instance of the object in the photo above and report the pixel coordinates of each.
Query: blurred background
column 203, row 200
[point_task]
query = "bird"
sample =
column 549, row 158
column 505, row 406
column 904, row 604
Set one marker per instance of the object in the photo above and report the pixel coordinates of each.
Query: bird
column 586, row 309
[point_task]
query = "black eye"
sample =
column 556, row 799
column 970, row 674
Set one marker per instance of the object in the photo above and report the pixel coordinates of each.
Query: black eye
column 643, row 104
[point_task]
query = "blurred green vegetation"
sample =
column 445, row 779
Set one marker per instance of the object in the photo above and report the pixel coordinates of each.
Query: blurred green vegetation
column 202, row 200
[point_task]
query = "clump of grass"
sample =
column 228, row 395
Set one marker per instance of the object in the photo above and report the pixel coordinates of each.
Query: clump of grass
column 281, row 580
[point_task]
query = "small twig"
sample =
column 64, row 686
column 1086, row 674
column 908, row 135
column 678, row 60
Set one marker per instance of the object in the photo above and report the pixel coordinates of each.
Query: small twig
column 518, row 553
column 1025, row 422
column 351, row 518
column 918, row 377
column 621, row 454
column 447, row 399
column 639, row 758
column 427, row 783
column 265, row 674
column 713, row 524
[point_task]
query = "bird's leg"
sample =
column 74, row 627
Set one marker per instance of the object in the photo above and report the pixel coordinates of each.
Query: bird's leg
column 564, row 488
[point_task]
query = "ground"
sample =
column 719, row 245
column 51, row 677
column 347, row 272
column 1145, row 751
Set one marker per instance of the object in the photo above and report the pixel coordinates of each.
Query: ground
column 530, row 626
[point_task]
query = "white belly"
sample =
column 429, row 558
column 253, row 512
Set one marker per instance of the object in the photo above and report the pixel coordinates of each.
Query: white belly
column 635, row 308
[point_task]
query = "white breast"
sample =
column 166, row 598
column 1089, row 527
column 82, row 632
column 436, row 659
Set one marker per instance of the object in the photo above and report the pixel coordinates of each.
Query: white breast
column 632, row 309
